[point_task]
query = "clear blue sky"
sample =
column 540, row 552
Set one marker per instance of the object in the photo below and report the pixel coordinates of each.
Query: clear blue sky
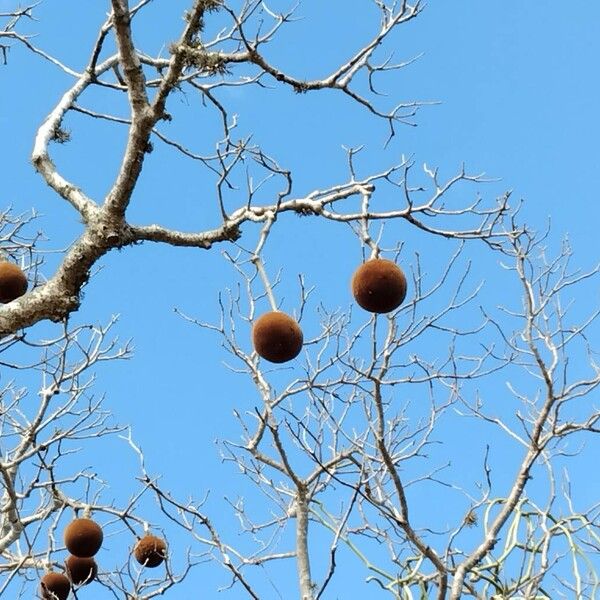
column 519, row 96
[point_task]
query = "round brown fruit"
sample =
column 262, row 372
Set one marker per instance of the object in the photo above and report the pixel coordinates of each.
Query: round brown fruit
column 83, row 537
column 81, row 570
column 150, row 551
column 379, row 285
column 55, row 586
column 277, row 337
column 13, row 282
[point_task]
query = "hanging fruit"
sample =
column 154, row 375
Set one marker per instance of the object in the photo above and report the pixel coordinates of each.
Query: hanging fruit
column 379, row 285
column 277, row 337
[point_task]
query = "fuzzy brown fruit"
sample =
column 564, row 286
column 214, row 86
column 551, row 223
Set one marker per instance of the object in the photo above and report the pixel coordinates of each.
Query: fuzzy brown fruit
column 150, row 551
column 13, row 282
column 83, row 537
column 379, row 285
column 277, row 337
column 55, row 586
column 81, row 570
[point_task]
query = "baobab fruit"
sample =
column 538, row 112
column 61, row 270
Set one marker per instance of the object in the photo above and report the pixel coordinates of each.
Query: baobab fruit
column 81, row 570
column 55, row 586
column 277, row 337
column 379, row 285
column 150, row 551
column 13, row 282
column 83, row 537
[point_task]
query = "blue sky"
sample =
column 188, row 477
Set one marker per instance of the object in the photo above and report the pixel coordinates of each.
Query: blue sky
column 518, row 91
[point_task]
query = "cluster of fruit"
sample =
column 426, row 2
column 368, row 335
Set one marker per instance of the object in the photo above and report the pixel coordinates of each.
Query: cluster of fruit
column 83, row 538
column 378, row 286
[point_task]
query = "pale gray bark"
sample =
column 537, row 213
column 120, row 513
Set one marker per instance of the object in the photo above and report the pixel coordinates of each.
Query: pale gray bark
column 303, row 558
